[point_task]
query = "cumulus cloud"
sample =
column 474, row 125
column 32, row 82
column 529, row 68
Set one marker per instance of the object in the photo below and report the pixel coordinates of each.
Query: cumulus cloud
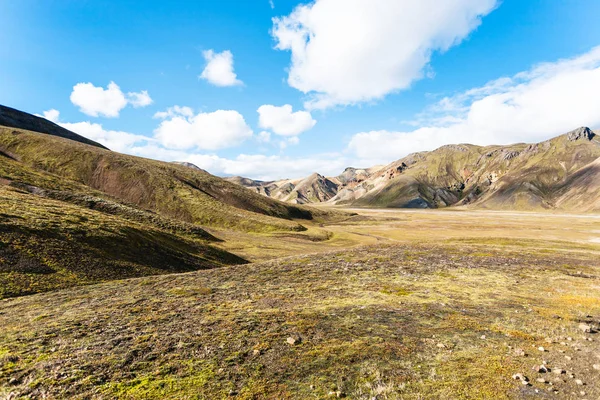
column 141, row 99
column 97, row 101
column 547, row 100
column 219, row 69
column 265, row 167
column 115, row 140
column 283, row 121
column 351, row 51
column 254, row 166
column 264, row 137
column 220, row 129
column 175, row 111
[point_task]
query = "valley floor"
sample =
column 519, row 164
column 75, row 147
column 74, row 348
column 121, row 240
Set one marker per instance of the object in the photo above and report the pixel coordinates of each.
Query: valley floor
column 381, row 305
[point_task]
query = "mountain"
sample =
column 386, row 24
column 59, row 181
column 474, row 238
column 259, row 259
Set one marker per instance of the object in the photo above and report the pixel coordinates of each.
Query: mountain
column 189, row 165
column 562, row 172
column 312, row 189
column 9, row 117
column 73, row 213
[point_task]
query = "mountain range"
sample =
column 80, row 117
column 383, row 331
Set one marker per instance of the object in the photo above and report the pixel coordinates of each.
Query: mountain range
column 560, row 173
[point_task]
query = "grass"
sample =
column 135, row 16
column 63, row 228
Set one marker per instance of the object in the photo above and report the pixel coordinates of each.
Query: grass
column 368, row 327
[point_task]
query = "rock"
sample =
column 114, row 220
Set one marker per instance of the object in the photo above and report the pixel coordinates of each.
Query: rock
column 482, row 337
column 441, row 345
column 233, row 393
column 579, row 382
column 541, row 348
column 293, row 340
column 255, row 352
column 541, row 369
column 596, row 367
column 13, row 381
column 520, row 352
column 558, row 371
column 585, row 328
column 580, row 133
column 541, row 380
column 521, row 377
column 569, row 358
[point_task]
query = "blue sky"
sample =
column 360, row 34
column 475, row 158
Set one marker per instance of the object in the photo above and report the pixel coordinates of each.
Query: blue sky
column 377, row 79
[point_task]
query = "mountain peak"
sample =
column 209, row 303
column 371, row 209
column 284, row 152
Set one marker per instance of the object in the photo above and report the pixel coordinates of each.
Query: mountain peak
column 12, row 118
column 581, row 133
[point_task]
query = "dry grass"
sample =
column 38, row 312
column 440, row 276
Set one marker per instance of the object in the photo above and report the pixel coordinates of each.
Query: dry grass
column 394, row 320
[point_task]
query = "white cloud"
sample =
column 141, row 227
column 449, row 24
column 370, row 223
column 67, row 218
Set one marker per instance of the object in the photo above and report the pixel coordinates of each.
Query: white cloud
column 254, row 166
column 282, row 121
column 219, row 69
column 141, row 99
column 51, row 115
column 207, row 131
column 97, row 101
column 264, row 137
column 548, row 100
column 175, row 111
column 115, row 140
column 269, row 167
column 351, row 51
column 290, row 141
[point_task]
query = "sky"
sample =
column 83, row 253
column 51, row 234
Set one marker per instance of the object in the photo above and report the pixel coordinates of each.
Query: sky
column 272, row 89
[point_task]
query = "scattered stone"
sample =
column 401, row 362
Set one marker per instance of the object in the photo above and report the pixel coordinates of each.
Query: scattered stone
column 596, row 367
column 293, row 340
column 541, row 380
column 256, row 352
column 570, row 339
column 482, row 337
column 558, row 371
column 579, row 382
column 13, row 381
column 585, row 328
column 541, row 348
column 233, row 392
column 569, row 358
column 541, row 369
column 441, row 345
column 582, row 393
column 520, row 376
column 520, row 352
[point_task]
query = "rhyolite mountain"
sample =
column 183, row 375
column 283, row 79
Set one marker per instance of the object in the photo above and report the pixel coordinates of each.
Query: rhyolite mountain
column 562, row 173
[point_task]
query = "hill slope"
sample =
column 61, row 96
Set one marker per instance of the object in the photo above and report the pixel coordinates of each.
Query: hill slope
column 72, row 213
column 171, row 190
column 560, row 173
column 12, row 118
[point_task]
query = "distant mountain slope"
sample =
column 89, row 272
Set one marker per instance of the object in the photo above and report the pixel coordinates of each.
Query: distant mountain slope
column 18, row 119
column 562, row 172
column 189, row 165
column 171, row 190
